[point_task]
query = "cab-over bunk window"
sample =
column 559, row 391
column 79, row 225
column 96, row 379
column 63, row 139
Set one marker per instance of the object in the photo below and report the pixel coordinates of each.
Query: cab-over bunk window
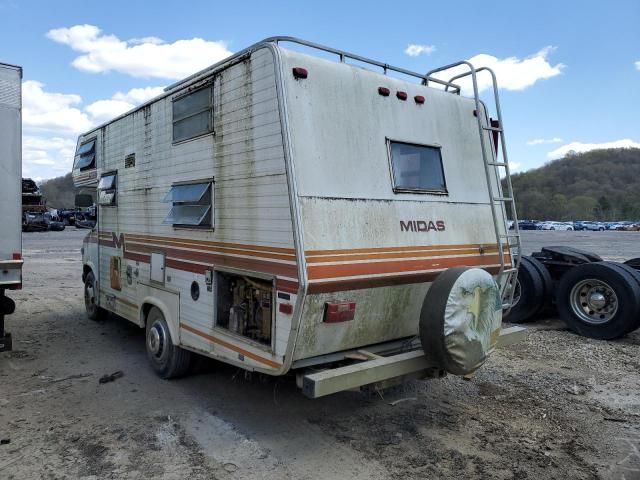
column 193, row 114
column 86, row 155
column 191, row 205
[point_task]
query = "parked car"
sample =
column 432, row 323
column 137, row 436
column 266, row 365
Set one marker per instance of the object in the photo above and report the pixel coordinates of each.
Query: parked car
column 632, row 227
column 556, row 226
column 528, row 225
column 587, row 225
column 33, row 222
column 53, row 223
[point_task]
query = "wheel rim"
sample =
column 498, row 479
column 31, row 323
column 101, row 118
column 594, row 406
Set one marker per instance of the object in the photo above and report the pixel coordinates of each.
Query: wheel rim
column 594, row 301
column 517, row 293
column 89, row 296
column 157, row 340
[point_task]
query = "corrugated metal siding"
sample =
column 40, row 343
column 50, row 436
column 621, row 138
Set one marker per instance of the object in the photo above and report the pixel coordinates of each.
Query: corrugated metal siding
column 246, row 158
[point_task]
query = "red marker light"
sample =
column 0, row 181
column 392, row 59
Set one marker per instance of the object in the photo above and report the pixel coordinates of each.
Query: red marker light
column 286, row 308
column 384, row 91
column 299, row 72
column 401, row 95
column 16, row 256
column 419, row 99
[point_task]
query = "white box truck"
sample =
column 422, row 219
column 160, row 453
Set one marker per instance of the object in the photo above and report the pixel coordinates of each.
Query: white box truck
column 10, row 191
column 284, row 212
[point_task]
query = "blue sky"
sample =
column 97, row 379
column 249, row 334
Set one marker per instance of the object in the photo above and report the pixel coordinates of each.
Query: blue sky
column 570, row 70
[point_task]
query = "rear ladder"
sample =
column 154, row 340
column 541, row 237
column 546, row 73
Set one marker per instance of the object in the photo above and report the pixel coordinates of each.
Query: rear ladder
column 498, row 200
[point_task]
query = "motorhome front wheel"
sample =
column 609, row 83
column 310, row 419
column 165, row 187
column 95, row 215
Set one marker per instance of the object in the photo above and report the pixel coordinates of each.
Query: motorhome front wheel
column 460, row 319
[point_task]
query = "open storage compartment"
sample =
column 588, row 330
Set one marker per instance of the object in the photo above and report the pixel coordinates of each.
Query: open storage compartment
column 245, row 305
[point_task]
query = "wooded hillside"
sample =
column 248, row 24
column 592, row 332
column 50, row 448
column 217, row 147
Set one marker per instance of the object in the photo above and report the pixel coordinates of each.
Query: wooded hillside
column 59, row 192
column 596, row 185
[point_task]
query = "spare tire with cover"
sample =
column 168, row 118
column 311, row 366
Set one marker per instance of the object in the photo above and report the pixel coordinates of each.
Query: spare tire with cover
column 460, row 319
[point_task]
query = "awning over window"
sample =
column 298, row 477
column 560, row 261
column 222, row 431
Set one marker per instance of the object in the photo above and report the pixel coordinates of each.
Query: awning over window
column 192, row 193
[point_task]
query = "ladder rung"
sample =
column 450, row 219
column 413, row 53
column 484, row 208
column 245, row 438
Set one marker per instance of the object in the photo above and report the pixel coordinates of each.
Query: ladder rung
column 503, row 199
column 509, row 235
column 493, row 129
column 497, row 164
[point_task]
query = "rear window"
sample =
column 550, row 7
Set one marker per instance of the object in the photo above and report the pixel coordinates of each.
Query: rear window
column 416, row 168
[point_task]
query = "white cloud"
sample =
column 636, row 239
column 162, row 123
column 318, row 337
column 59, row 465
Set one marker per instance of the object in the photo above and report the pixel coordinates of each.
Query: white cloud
column 515, row 167
column 52, row 122
column 638, row 65
column 544, row 141
column 579, row 147
column 139, row 57
column 413, row 49
column 56, row 112
column 104, row 110
column 512, row 73
column 56, row 153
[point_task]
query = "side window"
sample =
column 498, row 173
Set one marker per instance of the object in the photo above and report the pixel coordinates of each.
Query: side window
column 416, row 168
column 191, row 205
column 107, row 189
column 86, row 155
column 193, row 114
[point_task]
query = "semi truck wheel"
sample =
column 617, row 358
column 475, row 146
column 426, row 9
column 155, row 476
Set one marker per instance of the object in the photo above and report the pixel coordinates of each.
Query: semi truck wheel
column 94, row 312
column 532, row 291
column 168, row 360
column 599, row 300
column 460, row 319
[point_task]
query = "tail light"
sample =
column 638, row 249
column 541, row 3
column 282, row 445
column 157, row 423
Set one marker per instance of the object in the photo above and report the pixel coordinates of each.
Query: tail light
column 335, row 312
column 384, row 91
column 16, row 256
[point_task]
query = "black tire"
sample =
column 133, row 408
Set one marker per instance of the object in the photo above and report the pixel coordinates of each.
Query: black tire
column 533, row 291
column 634, row 263
column 616, row 318
column 635, row 274
column 601, row 229
column 168, row 360
column 434, row 338
column 94, row 312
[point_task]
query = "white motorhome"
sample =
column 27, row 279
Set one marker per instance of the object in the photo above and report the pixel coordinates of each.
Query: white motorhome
column 10, row 191
column 283, row 212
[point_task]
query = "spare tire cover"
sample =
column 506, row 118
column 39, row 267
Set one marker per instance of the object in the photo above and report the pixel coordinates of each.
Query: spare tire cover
column 460, row 319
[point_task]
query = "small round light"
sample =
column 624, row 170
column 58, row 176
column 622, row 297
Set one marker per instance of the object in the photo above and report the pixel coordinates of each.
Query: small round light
column 384, row 91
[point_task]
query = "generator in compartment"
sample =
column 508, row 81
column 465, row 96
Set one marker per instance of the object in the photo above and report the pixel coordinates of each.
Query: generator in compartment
column 245, row 306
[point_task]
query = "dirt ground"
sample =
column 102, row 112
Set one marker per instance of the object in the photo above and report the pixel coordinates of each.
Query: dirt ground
column 554, row 406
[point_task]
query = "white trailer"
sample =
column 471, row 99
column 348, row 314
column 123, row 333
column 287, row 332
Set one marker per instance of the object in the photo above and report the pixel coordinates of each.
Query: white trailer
column 10, row 191
column 284, row 212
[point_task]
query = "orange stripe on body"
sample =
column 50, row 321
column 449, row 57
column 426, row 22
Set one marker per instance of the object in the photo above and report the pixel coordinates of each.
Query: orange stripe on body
column 318, row 272
column 231, row 346
column 485, row 246
column 389, row 255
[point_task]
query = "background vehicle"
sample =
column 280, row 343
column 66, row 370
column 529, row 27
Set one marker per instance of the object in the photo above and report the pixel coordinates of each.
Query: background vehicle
column 556, row 226
column 529, row 225
column 221, row 230
column 10, row 191
column 588, row 225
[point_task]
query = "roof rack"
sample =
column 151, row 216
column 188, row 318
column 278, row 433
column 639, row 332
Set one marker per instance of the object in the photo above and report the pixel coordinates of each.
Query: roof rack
column 342, row 55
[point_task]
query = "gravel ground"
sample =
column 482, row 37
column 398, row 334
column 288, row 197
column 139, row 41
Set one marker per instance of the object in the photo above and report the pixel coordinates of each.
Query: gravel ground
column 554, row 406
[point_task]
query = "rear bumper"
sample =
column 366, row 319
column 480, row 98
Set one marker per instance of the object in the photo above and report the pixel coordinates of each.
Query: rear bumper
column 380, row 369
